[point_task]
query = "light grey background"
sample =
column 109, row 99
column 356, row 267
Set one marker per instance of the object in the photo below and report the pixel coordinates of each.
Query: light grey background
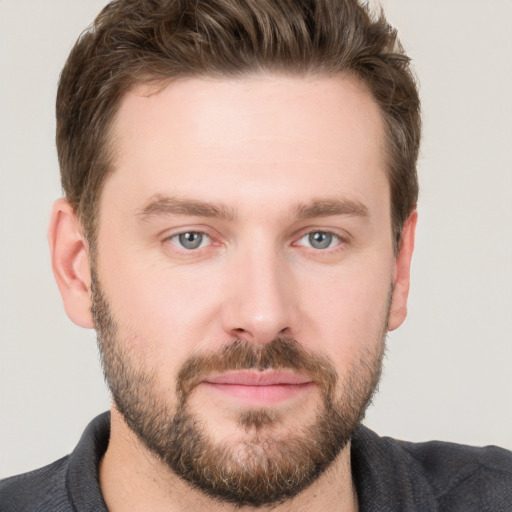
column 448, row 373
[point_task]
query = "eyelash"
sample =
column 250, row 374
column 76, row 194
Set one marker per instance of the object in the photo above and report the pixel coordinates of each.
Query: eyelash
column 331, row 237
column 177, row 237
column 206, row 240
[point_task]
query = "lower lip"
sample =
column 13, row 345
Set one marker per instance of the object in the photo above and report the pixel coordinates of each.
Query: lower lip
column 261, row 395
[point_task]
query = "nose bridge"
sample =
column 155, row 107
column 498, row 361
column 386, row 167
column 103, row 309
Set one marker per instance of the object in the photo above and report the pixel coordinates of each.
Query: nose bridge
column 260, row 305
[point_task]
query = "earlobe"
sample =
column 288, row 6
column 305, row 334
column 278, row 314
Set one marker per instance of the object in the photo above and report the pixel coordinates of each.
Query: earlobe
column 70, row 263
column 402, row 274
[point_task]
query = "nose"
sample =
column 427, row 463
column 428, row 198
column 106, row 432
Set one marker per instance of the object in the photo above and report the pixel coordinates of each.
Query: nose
column 260, row 302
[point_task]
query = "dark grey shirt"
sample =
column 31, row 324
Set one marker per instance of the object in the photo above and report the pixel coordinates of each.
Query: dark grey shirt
column 390, row 476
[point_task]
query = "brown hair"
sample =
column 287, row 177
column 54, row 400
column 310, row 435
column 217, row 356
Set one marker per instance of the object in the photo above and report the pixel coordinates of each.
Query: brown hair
column 138, row 41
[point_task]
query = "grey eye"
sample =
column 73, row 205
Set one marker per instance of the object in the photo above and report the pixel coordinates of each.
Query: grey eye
column 191, row 239
column 320, row 239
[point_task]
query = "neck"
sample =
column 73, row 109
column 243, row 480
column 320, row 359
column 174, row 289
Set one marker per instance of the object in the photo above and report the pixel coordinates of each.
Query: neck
column 133, row 479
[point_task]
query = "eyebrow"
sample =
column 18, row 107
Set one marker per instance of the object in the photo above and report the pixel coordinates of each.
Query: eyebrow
column 330, row 207
column 166, row 205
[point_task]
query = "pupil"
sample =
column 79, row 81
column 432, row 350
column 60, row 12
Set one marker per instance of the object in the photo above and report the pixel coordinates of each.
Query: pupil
column 190, row 240
column 320, row 240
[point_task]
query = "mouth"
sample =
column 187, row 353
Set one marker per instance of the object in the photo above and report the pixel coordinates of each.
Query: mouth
column 261, row 389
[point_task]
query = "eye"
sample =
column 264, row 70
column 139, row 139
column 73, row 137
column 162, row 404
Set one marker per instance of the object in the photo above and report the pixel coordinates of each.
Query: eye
column 190, row 240
column 320, row 240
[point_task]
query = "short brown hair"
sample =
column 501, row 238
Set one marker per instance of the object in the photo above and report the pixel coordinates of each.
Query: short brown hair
column 139, row 41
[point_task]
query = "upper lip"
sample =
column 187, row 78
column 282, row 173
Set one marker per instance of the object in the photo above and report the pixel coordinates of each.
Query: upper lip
column 257, row 378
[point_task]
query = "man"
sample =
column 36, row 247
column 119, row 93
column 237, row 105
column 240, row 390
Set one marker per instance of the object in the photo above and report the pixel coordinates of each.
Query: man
column 238, row 227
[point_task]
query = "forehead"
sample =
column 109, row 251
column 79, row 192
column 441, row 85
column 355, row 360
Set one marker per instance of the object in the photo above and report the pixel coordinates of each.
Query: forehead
column 225, row 137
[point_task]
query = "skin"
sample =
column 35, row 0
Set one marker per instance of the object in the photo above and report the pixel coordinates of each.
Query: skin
column 262, row 150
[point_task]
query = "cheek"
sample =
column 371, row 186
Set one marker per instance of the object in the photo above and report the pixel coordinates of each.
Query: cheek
column 162, row 312
column 350, row 313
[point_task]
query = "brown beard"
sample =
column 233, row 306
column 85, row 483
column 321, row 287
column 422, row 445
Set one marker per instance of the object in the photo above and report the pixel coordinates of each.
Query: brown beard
column 264, row 468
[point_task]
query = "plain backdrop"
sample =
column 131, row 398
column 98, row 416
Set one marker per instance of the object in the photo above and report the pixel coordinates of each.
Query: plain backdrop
column 448, row 371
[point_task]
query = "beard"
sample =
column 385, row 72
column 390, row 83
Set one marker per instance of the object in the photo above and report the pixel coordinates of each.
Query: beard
column 266, row 467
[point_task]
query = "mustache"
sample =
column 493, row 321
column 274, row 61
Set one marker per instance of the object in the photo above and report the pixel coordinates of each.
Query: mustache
column 279, row 354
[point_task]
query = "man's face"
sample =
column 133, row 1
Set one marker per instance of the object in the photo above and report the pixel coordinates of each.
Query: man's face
column 244, row 276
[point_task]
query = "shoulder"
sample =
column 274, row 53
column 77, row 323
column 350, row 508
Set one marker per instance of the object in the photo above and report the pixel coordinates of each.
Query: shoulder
column 392, row 475
column 67, row 485
column 37, row 491
column 465, row 477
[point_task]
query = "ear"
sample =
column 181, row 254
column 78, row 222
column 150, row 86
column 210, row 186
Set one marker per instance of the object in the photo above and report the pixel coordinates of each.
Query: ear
column 402, row 274
column 70, row 263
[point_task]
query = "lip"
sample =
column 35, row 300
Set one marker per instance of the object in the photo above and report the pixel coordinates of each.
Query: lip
column 259, row 388
column 252, row 378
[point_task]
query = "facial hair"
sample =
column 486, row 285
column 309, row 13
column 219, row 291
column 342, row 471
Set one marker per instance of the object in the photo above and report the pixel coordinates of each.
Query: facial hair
column 265, row 468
